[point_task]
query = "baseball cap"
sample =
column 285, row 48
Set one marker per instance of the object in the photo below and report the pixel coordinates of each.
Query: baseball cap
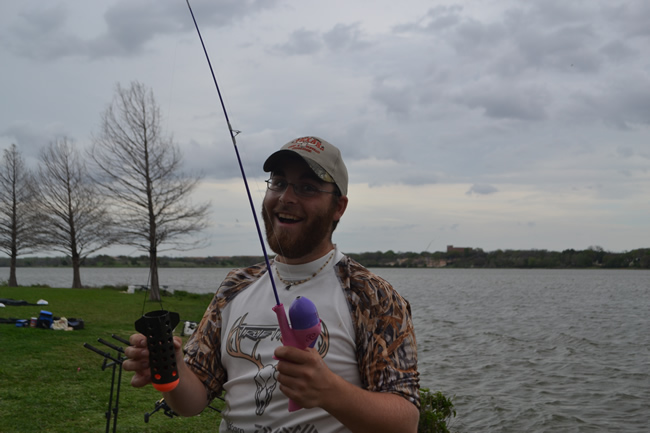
column 322, row 157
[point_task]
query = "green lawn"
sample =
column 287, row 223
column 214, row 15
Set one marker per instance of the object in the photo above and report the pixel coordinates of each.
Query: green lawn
column 49, row 382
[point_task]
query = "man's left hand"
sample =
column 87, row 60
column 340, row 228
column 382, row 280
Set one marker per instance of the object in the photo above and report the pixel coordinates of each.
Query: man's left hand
column 303, row 376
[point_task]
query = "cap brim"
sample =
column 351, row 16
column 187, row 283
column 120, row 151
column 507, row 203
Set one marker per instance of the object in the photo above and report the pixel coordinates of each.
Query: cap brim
column 273, row 160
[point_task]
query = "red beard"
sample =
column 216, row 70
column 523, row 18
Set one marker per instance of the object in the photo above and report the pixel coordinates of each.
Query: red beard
column 294, row 245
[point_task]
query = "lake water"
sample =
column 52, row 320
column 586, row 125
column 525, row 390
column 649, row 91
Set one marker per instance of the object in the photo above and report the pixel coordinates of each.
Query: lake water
column 520, row 350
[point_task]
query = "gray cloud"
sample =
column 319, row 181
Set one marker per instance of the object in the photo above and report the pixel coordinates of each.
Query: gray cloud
column 622, row 103
column 40, row 33
column 435, row 20
column 535, row 62
column 342, row 37
column 471, row 38
column 48, row 33
column 397, row 98
column 301, row 42
column 508, row 102
column 481, row 189
column 618, row 51
column 29, row 138
column 345, row 36
column 630, row 18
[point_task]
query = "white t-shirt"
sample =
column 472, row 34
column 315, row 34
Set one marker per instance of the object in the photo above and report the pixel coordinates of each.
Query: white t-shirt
column 250, row 334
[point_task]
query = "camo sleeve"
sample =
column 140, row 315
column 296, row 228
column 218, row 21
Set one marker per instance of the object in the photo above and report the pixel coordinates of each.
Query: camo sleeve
column 386, row 347
column 203, row 349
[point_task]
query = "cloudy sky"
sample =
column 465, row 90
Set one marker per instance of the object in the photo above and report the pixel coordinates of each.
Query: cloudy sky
column 492, row 124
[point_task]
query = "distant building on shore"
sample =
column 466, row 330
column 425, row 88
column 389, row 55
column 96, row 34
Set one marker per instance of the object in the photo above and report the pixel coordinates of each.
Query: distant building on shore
column 453, row 249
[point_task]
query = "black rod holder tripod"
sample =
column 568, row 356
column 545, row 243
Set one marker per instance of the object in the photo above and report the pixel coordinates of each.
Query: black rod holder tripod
column 116, row 363
column 161, row 404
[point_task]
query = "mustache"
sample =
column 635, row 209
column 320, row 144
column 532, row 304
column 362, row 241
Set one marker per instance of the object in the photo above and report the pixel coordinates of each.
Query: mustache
column 284, row 209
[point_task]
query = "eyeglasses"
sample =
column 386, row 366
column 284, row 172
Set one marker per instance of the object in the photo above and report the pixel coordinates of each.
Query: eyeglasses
column 302, row 189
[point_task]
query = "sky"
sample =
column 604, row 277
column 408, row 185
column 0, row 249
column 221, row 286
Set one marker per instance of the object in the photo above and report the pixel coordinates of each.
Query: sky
column 488, row 124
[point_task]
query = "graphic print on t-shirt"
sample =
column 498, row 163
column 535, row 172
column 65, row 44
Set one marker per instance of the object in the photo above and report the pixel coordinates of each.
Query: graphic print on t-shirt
column 243, row 342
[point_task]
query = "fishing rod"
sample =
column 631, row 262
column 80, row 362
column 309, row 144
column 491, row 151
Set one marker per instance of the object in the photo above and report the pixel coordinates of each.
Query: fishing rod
column 233, row 134
column 303, row 313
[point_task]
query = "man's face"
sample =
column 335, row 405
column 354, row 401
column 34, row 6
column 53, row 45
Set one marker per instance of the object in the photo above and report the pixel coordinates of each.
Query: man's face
column 299, row 228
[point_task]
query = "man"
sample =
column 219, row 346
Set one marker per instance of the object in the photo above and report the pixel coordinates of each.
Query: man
column 361, row 375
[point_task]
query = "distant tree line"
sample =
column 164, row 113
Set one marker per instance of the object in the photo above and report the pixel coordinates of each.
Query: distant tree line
column 593, row 257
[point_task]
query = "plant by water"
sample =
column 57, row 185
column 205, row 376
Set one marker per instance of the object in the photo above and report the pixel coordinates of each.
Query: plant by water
column 436, row 411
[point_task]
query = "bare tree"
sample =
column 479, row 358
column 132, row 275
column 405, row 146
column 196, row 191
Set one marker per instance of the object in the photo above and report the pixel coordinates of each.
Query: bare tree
column 74, row 215
column 18, row 217
column 139, row 169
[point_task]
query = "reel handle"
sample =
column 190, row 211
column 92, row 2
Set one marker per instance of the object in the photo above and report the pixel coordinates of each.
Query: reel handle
column 158, row 327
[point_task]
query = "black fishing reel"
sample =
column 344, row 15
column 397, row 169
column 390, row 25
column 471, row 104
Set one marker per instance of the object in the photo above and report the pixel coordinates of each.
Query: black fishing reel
column 158, row 326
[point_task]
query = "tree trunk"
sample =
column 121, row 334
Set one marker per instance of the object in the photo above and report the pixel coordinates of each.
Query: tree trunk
column 76, row 274
column 13, row 281
column 154, row 292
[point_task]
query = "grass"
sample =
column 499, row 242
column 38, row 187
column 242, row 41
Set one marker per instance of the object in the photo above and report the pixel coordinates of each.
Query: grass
column 49, row 382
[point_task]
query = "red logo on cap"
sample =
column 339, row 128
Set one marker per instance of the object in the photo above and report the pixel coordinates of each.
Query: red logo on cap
column 308, row 144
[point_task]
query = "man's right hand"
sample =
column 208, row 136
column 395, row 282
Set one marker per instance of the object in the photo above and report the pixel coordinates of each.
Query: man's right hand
column 138, row 361
column 188, row 398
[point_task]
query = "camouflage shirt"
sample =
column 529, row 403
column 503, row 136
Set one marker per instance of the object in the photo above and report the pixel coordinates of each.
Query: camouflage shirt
column 386, row 351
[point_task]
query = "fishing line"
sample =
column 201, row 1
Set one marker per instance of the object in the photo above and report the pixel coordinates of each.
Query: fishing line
column 233, row 134
column 170, row 97
column 146, row 292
